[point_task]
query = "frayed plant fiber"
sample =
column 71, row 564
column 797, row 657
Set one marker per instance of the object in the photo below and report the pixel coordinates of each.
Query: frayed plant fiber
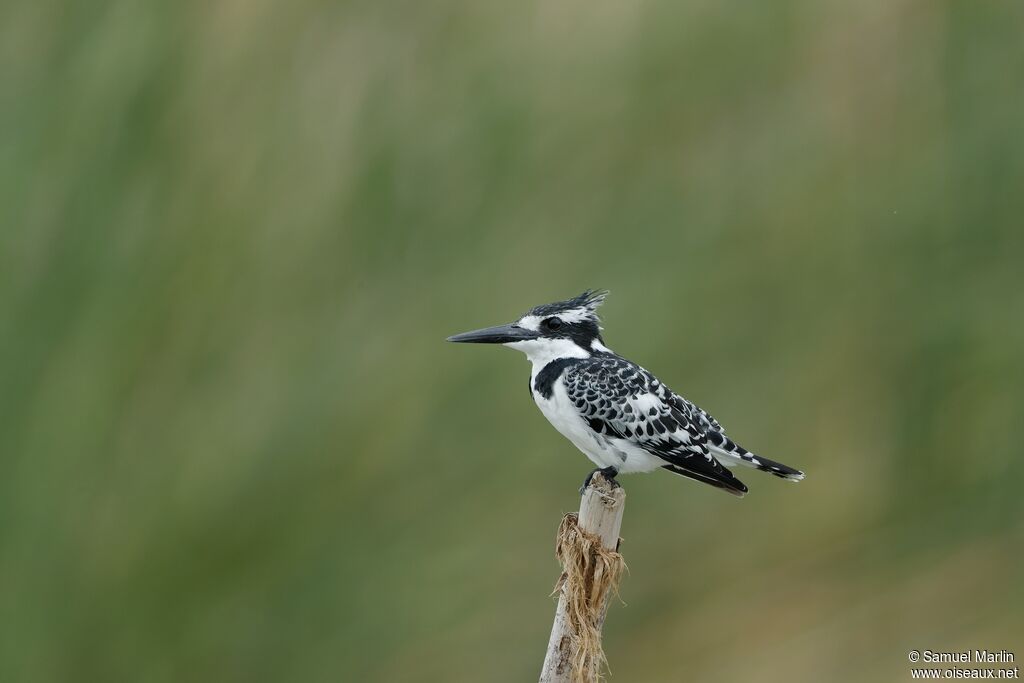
column 590, row 574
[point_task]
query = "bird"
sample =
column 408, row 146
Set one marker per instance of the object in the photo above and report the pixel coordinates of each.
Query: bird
column 622, row 417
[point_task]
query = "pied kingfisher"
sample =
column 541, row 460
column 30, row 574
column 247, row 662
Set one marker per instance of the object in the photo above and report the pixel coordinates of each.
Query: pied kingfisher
column 620, row 415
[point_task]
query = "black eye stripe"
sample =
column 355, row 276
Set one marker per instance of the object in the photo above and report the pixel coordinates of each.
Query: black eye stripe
column 553, row 323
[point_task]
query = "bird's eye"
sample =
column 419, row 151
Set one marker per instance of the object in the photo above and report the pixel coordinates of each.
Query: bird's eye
column 552, row 323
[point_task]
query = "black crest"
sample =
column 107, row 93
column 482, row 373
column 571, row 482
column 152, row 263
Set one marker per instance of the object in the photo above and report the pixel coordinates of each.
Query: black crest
column 585, row 304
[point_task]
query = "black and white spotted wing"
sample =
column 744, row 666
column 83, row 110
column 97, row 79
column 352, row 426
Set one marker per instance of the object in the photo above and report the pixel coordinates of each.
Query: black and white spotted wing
column 620, row 399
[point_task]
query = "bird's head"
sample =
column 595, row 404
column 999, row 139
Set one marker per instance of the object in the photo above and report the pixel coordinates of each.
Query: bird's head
column 567, row 328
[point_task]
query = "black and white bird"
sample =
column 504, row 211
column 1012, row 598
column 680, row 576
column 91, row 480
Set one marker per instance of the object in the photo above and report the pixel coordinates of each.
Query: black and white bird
column 621, row 416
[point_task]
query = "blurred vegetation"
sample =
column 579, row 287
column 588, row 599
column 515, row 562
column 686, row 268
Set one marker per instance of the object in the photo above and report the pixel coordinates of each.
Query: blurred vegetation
column 236, row 448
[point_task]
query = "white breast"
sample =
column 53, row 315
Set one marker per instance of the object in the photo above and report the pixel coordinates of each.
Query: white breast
column 562, row 414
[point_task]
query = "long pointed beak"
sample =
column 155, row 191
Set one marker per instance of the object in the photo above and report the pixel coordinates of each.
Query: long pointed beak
column 501, row 334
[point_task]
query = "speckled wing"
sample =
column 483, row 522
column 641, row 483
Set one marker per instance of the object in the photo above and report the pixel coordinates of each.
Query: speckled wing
column 620, row 399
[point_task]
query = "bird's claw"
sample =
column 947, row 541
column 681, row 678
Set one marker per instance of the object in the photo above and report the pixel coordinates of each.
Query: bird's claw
column 609, row 473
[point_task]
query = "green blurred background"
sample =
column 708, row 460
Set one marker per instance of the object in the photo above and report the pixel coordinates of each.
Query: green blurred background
column 235, row 446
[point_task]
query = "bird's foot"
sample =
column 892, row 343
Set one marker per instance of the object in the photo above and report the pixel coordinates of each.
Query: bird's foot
column 609, row 473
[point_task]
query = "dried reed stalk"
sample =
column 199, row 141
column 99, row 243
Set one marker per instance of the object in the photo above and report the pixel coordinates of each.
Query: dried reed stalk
column 587, row 548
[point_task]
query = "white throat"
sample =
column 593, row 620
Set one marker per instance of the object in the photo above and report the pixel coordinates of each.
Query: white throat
column 540, row 352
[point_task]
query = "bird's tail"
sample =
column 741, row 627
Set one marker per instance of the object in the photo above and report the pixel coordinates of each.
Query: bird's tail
column 730, row 453
column 720, row 480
